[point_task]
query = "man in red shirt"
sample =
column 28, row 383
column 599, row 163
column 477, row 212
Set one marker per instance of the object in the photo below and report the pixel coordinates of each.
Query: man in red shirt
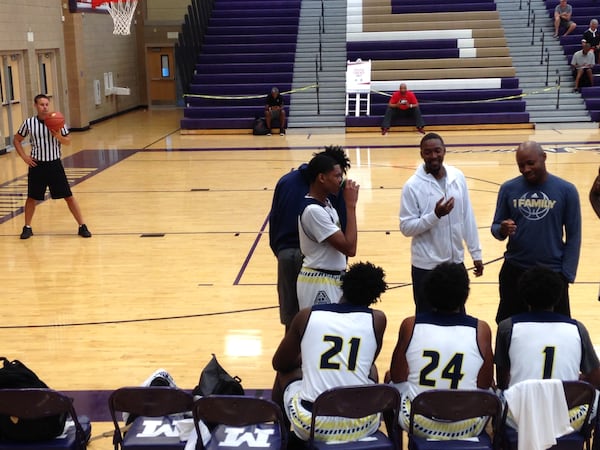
column 403, row 103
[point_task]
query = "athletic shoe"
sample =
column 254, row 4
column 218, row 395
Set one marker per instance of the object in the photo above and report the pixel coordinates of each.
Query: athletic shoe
column 281, row 132
column 421, row 130
column 26, row 233
column 384, row 131
column 269, row 133
column 84, row 232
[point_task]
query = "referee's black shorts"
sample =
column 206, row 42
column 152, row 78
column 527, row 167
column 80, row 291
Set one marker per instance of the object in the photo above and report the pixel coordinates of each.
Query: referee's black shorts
column 48, row 174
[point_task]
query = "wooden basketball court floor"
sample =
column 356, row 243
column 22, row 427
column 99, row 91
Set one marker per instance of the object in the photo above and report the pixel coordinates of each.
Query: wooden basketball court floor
column 179, row 265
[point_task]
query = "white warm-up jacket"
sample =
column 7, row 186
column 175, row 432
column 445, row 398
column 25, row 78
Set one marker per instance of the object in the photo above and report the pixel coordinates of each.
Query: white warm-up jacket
column 436, row 240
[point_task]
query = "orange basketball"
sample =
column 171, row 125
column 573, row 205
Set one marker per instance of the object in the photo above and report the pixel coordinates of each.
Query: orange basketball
column 55, row 121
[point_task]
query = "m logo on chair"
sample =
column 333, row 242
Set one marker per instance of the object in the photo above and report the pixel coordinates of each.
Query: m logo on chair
column 251, row 436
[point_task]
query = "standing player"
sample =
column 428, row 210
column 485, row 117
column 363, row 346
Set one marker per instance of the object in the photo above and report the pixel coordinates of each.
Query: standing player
column 443, row 349
column 595, row 201
column 330, row 346
column 436, row 213
column 288, row 201
column 45, row 167
column 540, row 215
column 323, row 243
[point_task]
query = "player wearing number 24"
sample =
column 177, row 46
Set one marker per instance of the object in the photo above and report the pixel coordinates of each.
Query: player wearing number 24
column 442, row 349
column 332, row 345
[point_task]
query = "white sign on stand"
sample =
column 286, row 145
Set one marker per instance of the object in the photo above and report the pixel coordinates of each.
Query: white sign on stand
column 358, row 84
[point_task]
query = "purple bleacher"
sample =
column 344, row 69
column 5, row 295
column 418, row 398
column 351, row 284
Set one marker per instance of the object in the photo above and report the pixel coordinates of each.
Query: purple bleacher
column 401, row 45
column 440, row 107
column 250, row 30
column 245, row 67
column 426, row 53
column 266, row 47
column 248, row 21
column 263, row 5
column 273, row 13
column 228, row 39
column 231, row 78
column 442, row 7
column 230, row 58
column 249, row 47
column 237, row 89
column 400, row 50
column 445, row 119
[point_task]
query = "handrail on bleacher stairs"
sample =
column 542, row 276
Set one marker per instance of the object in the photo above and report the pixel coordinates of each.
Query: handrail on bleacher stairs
column 190, row 39
column 319, row 56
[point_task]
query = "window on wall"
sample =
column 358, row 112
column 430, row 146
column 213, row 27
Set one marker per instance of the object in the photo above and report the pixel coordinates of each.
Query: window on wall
column 43, row 79
column 10, row 91
column 165, row 70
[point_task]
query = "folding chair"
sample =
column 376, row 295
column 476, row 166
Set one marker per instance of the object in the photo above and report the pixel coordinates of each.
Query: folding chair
column 577, row 393
column 240, row 422
column 34, row 403
column 451, row 405
column 149, row 402
column 356, row 402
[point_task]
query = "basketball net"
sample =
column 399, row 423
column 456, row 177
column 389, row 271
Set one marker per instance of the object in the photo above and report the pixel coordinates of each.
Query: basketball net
column 121, row 12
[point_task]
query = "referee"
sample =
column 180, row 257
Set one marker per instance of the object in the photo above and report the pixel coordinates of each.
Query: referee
column 45, row 167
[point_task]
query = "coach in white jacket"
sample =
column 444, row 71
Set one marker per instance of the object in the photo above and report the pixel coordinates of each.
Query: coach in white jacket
column 436, row 213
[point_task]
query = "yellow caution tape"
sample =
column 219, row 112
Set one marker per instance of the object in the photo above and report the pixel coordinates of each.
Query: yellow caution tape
column 242, row 97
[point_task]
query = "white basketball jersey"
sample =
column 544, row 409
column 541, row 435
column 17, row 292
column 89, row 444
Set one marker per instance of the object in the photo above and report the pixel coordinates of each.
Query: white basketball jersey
column 540, row 350
column 443, row 353
column 338, row 348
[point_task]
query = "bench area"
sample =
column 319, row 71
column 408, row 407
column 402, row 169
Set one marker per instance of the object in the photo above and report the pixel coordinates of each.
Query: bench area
column 248, row 48
column 461, row 76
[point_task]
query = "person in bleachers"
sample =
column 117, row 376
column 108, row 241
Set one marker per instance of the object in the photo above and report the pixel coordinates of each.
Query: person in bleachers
column 583, row 61
column 274, row 110
column 592, row 35
column 332, row 345
column 443, row 349
column 541, row 343
column 403, row 103
column 562, row 18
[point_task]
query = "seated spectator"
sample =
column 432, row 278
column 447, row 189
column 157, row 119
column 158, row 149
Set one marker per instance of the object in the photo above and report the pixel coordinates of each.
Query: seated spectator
column 403, row 103
column 443, row 349
column 593, row 37
column 562, row 18
column 582, row 62
column 274, row 110
column 332, row 345
column 542, row 344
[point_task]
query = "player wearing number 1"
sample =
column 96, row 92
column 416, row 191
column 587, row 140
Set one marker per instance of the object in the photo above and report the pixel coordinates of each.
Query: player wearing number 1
column 542, row 343
column 443, row 349
column 331, row 345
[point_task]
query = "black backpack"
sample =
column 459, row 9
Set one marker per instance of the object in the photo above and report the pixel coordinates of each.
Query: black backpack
column 259, row 128
column 16, row 375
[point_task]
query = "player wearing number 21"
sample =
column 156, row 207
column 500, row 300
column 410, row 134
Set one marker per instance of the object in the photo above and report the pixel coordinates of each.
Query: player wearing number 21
column 443, row 349
column 45, row 166
column 332, row 345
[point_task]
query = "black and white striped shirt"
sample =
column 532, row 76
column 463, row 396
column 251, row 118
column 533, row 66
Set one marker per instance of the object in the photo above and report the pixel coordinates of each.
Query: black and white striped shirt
column 44, row 146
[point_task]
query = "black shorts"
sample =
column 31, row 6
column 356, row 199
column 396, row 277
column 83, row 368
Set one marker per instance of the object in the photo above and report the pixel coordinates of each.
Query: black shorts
column 48, row 174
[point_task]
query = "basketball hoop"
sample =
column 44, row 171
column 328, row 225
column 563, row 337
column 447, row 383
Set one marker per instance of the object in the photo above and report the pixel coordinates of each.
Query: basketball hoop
column 121, row 12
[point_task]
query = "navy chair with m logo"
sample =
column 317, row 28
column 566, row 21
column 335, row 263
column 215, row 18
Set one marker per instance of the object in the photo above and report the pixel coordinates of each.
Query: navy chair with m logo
column 154, row 428
column 240, row 422
column 356, row 402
